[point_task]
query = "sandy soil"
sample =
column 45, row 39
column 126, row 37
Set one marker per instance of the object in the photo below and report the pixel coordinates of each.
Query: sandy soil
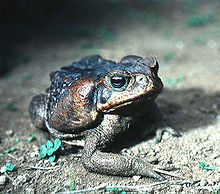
column 191, row 103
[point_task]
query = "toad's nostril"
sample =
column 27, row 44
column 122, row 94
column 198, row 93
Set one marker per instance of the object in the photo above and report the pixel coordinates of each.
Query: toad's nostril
column 142, row 79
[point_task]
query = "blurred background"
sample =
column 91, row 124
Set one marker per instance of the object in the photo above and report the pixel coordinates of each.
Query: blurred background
column 173, row 30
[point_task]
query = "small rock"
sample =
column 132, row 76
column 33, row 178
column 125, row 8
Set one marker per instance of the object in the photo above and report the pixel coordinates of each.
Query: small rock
column 184, row 160
column 3, row 180
column 203, row 182
column 178, row 188
column 53, row 164
column 9, row 132
column 166, row 135
column 29, row 191
column 215, row 156
column 157, row 149
column 64, row 159
column 2, row 169
column 35, row 148
column 127, row 152
column 21, row 179
column 194, row 152
column 47, row 162
column 136, row 177
column 142, row 151
column 66, row 183
column 33, row 154
column 210, row 181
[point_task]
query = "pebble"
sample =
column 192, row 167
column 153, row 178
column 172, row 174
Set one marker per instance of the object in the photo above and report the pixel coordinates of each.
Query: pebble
column 184, row 160
column 194, row 152
column 203, row 182
column 136, row 177
column 166, row 135
column 127, row 152
column 33, row 154
column 53, row 164
column 157, row 149
column 47, row 162
column 29, row 191
column 35, row 148
column 20, row 179
column 3, row 180
column 66, row 183
column 178, row 188
column 9, row 132
column 2, row 169
column 59, row 160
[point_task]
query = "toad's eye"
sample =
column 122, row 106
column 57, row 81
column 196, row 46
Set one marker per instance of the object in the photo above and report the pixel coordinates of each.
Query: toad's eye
column 119, row 81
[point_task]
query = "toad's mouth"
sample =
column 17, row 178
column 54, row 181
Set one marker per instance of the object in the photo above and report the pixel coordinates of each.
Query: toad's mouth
column 140, row 99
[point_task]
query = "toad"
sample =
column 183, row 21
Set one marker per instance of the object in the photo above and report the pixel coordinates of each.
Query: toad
column 97, row 99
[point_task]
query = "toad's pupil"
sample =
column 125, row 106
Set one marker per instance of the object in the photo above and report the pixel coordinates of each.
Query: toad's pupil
column 118, row 81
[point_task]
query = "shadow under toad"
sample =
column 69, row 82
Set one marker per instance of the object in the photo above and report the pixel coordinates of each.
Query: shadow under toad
column 184, row 110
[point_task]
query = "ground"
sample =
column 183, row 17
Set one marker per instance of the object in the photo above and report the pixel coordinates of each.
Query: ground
column 184, row 36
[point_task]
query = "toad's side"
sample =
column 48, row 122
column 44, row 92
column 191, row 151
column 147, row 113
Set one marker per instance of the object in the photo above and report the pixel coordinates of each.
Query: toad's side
column 96, row 99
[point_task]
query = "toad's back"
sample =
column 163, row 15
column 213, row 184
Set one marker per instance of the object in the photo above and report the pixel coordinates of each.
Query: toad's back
column 71, row 97
column 94, row 67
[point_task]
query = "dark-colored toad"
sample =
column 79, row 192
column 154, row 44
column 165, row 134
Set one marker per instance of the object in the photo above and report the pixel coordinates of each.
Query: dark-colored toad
column 97, row 99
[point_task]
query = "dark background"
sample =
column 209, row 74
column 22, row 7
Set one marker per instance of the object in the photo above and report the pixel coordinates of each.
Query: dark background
column 51, row 20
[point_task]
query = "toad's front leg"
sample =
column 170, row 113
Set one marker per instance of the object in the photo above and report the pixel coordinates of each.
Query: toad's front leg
column 95, row 160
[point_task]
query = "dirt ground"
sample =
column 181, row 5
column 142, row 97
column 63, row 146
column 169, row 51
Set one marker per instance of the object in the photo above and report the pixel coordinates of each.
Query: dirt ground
column 185, row 38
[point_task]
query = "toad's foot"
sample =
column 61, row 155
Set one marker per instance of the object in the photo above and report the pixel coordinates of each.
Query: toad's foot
column 114, row 164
